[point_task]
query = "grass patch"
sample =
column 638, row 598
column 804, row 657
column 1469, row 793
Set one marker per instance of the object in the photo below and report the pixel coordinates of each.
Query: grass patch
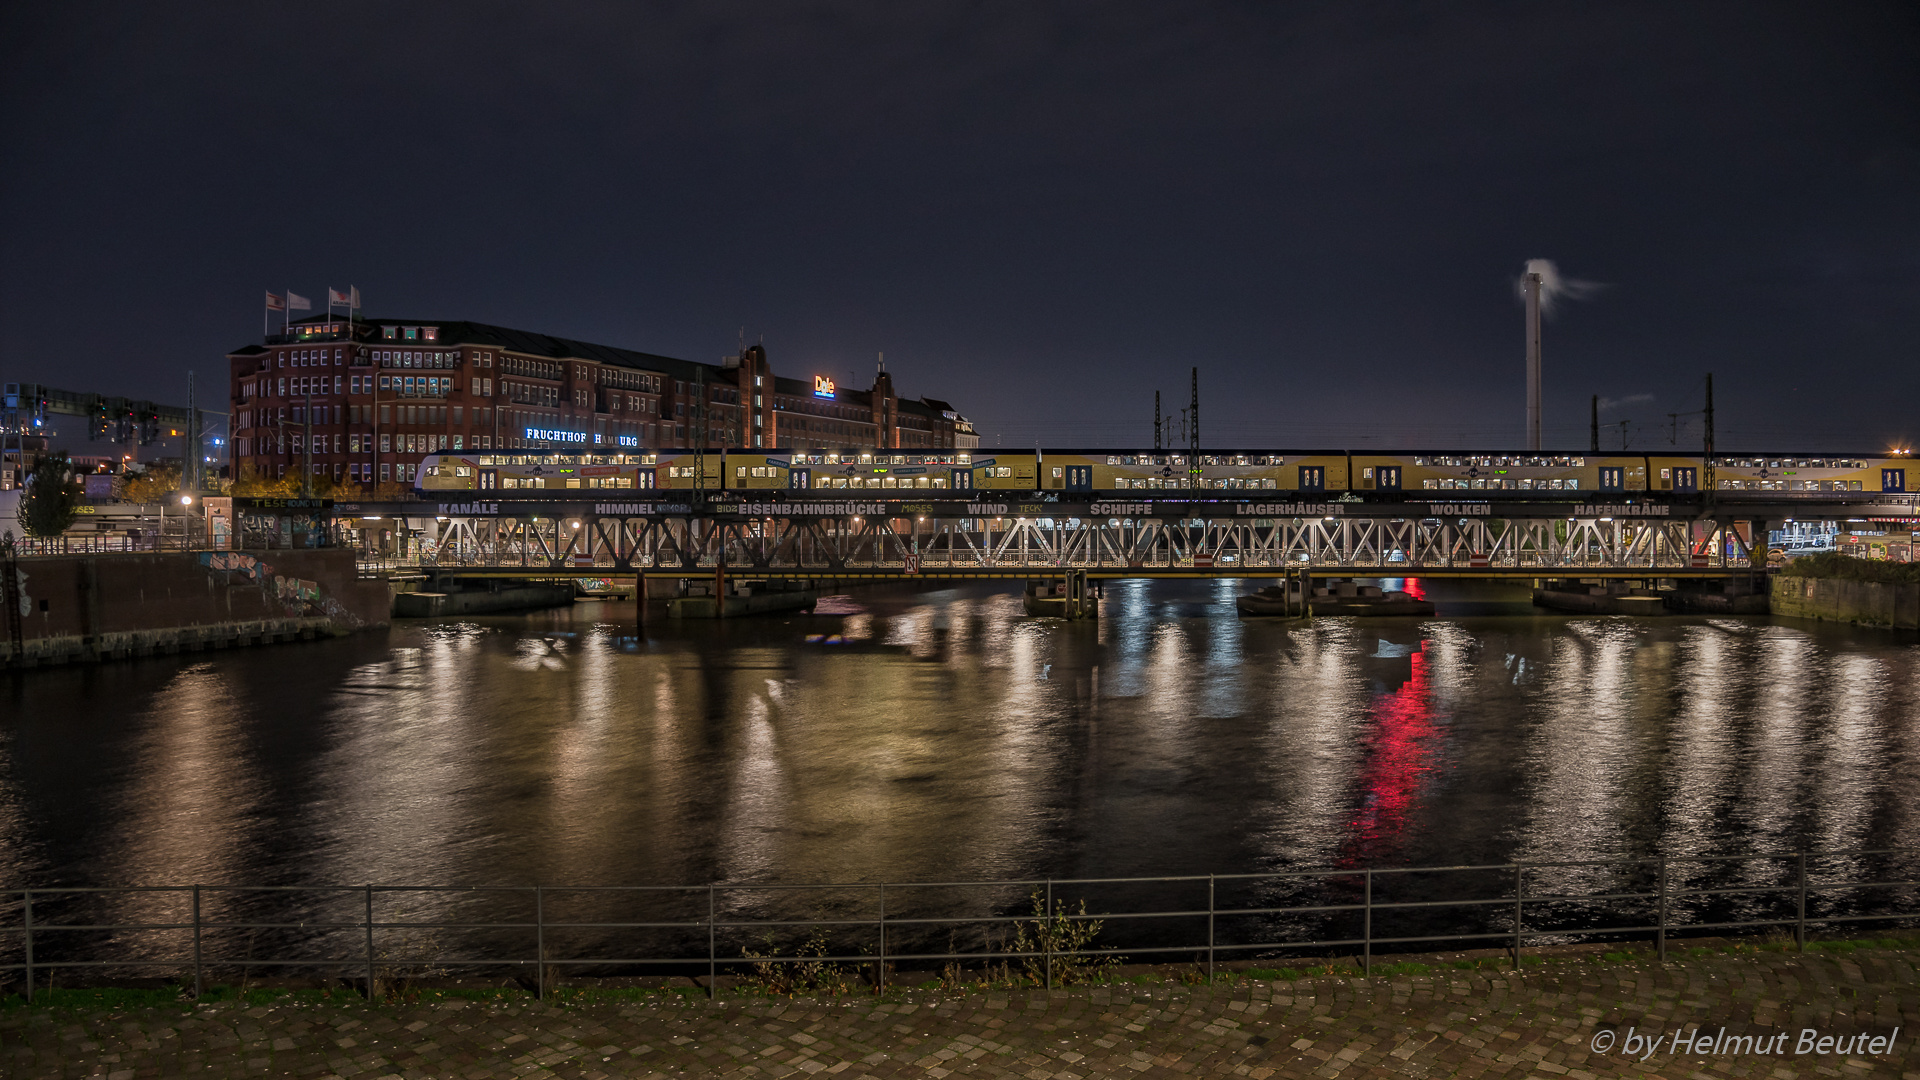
column 1401, row 969
column 1848, row 568
column 109, row 999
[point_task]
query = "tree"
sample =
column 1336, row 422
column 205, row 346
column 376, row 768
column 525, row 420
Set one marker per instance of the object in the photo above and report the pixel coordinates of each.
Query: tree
column 252, row 483
column 51, row 499
column 153, row 484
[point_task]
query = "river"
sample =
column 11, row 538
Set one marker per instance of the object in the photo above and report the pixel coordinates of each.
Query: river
column 936, row 735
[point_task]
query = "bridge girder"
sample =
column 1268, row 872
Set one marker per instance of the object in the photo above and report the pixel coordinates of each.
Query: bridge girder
column 1109, row 546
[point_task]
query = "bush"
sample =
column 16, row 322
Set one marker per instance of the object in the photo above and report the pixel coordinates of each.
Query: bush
column 1848, row 568
column 1060, row 931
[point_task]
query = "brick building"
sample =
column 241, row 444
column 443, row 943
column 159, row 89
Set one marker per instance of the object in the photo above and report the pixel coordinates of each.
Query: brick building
column 368, row 398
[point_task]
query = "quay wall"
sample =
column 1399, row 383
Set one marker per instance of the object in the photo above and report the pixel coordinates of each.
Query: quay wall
column 1862, row 603
column 102, row 607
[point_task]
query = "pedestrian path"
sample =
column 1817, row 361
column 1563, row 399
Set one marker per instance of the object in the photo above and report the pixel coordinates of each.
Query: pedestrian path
column 1741, row 1015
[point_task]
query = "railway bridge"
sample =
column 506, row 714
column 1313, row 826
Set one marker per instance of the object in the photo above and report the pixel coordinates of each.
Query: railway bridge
column 1508, row 534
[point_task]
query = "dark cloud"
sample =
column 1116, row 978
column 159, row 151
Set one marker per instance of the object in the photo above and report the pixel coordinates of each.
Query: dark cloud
column 1040, row 212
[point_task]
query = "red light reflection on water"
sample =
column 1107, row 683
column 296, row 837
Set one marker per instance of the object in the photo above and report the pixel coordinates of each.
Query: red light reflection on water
column 1413, row 588
column 1399, row 755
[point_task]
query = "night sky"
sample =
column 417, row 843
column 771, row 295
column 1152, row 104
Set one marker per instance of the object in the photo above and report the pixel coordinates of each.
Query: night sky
column 1040, row 212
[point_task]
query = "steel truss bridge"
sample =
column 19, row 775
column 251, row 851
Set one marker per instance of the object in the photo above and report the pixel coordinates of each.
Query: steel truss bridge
column 668, row 534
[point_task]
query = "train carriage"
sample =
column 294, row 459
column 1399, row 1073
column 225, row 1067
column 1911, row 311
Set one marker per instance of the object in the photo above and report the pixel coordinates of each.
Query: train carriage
column 1218, row 470
column 884, row 473
column 1803, row 473
column 1460, row 470
column 686, row 470
column 920, row 471
column 534, row 471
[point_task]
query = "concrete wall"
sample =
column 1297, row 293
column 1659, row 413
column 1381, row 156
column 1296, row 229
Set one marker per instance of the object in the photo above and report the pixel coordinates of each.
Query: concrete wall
column 1863, row 603
column 90, row 607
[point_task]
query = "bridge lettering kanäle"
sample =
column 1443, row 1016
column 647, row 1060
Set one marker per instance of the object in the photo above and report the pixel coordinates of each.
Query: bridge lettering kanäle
column 1133, row 512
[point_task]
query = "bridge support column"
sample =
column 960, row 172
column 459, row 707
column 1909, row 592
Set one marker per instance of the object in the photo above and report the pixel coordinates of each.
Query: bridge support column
column 1757, row 555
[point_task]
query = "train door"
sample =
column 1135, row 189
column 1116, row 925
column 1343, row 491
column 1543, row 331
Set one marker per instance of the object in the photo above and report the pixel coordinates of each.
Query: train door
column 1686, row 478
column 1079, row 478
column 1612, row 478
column 1893, row 479
column 1387, row 477
column 1313, row 478
column 489, row 478
column 963, row 479
column 799, row 479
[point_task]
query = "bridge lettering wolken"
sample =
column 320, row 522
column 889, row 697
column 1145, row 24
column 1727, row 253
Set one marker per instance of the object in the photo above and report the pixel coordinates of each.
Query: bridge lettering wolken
column 1521, row 535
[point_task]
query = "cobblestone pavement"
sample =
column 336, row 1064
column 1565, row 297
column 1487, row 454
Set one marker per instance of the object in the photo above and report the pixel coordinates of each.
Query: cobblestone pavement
column 1543, row 1022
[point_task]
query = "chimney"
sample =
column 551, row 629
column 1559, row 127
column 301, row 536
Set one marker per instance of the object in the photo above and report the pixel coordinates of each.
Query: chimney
column 1532, row 287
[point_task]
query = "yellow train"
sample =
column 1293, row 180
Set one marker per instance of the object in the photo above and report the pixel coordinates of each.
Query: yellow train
column 920, row 474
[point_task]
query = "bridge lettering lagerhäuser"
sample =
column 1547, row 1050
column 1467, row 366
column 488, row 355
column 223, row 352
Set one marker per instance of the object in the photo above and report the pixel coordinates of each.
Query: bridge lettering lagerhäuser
column 1513, row 534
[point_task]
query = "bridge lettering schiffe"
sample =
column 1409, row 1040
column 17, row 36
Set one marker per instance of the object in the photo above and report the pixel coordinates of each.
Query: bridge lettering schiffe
column 1148, row 537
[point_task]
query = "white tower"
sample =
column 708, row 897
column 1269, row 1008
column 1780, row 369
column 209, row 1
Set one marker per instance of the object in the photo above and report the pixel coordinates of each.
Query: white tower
column 1531, row 290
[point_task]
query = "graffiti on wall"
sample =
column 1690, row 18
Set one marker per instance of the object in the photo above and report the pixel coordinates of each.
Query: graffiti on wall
column 298, row 596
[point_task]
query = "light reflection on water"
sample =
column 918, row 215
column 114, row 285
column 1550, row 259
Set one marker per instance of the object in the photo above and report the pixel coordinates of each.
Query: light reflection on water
column 945, row 735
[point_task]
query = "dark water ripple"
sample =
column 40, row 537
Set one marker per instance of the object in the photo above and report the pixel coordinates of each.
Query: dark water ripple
column 944, row 736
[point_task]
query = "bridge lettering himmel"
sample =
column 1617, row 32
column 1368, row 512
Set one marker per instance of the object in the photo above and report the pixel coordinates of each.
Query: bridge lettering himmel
column 1508, row 534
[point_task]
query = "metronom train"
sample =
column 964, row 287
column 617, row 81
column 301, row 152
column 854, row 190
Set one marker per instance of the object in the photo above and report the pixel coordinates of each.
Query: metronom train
column 883, row 474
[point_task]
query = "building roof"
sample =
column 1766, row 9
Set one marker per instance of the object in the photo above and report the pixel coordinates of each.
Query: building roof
column 454, row 332
column 458, row 332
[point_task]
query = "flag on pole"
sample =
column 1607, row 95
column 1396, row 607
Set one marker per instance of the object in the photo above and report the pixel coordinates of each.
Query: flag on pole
column 276, row 303
column 296, row 302
column 335, row 296
column 354, row 292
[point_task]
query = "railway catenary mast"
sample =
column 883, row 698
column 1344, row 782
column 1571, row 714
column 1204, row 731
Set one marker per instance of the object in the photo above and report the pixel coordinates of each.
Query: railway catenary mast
column 1193, row 444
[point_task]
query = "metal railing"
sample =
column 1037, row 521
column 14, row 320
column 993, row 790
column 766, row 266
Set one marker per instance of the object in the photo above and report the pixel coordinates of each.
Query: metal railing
column 1356, row 907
